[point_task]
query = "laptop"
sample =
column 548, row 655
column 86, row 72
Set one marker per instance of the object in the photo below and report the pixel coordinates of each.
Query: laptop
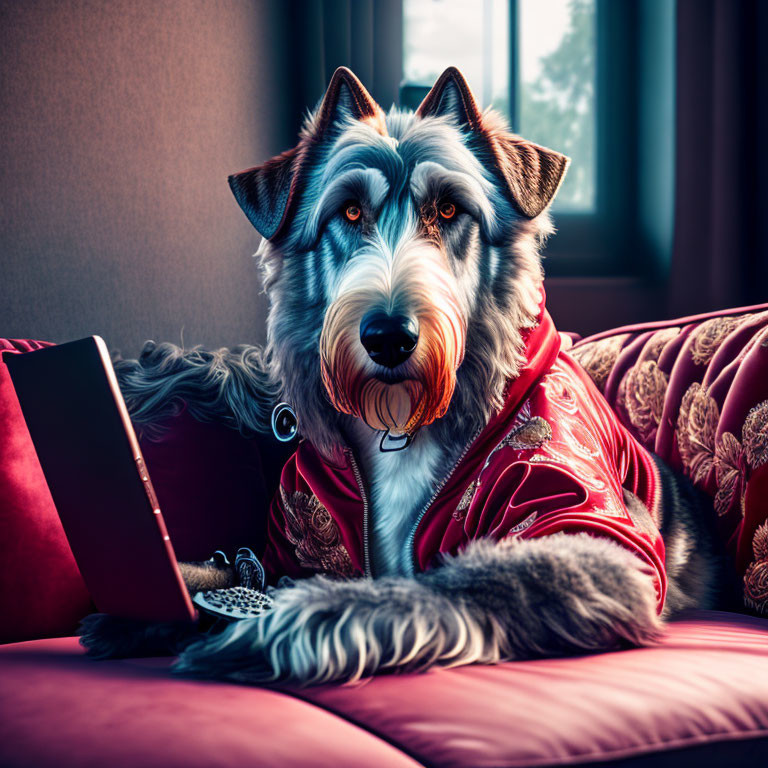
column 98, row 480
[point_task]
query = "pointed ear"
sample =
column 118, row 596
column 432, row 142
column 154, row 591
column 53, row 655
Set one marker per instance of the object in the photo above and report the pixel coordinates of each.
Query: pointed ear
column 267, row 193
column 451, row 97
column 346, row 97
column 532, row 174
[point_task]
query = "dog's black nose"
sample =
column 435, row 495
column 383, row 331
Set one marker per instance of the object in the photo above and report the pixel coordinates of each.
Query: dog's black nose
column 388, row 339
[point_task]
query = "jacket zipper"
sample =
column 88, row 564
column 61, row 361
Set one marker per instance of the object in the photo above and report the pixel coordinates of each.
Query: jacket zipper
column 364, row 497
column 439, row 487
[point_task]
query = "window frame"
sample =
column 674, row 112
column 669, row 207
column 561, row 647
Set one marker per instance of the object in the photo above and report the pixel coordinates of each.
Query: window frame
column 602, row 241
column 611, row 240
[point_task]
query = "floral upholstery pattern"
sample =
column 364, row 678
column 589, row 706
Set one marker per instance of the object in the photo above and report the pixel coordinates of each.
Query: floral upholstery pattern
column 756, row 575
column 597, row 357
column 695, row 392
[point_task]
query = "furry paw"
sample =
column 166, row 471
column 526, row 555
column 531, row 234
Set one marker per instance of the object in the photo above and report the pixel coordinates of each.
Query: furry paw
column 322, row 630
column 112, row 637
column 558, row 595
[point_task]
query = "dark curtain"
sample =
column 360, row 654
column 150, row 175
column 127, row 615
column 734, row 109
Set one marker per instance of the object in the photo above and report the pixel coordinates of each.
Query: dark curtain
column 720, row 254
column 321, row 35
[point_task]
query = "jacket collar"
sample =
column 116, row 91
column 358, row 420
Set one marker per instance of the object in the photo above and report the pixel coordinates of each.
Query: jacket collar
column 542, row 346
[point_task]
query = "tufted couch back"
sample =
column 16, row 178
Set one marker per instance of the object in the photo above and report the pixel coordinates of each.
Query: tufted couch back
column 695, row 391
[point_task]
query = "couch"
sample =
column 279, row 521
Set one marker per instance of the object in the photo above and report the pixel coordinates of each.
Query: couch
column 694, row 390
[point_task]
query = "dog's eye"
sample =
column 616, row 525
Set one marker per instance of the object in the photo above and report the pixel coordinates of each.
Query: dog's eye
column 447, row 211
column 352, row 211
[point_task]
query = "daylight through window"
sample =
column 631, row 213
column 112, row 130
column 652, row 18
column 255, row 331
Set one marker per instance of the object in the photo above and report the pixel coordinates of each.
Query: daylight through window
column 552, row 56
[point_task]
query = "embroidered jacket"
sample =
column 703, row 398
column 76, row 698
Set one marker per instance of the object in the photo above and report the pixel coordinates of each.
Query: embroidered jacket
column 555, row 458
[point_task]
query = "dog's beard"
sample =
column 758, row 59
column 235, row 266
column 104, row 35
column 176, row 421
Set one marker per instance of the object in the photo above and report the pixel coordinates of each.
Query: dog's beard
column 420, row 391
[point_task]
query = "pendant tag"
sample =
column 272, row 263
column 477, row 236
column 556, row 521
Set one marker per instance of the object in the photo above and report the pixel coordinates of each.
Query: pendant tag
column 390, row 443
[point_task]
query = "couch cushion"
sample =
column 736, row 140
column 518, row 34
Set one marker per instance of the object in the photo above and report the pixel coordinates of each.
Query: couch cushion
column 60, row 708
column 695, row 391
column 705, row 684
column 42, row 592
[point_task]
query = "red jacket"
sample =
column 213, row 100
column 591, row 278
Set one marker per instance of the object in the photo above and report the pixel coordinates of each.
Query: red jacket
column 553, row 459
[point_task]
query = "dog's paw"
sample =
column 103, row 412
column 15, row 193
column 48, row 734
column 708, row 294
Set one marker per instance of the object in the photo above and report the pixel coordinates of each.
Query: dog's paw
column 112, row 637
column 322, row 631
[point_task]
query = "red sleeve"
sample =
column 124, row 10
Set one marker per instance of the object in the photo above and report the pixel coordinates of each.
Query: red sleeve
column 543, row 498
column 280, row 554
column 573, row 480
column 303, row 537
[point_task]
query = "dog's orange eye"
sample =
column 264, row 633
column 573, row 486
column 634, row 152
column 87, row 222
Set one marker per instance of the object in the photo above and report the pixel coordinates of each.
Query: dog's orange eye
column 352, row 212
column 447, row 211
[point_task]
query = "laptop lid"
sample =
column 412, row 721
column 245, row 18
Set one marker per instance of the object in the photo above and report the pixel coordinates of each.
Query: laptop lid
column 98, row 480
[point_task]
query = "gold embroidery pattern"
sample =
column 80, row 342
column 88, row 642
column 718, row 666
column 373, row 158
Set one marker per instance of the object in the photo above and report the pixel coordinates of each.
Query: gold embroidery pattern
column 527, row 433
column 523, row 525
column 756, row 575
column 656, row 344
column 729, row 471
column 696, row 429
column 733, row 459
column 533, row 434
column 597, row 357
column 466, row 501
column 315, row 535
column 708, row 337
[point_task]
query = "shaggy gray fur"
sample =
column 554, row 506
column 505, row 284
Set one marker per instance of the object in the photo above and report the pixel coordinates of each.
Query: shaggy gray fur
column 523, row 599
column 231, row 386
column 695, row 563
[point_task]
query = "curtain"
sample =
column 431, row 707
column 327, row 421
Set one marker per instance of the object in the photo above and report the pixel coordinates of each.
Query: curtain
column 720, row 255
column 320, row 35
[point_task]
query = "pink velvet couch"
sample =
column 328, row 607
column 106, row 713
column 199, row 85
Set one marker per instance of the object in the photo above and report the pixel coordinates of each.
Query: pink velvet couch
column 694, row 390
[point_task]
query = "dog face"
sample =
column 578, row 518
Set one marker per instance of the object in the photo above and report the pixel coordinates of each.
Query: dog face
column 398, row 248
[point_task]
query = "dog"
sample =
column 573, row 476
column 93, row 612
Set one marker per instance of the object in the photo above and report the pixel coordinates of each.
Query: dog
column 461, row 493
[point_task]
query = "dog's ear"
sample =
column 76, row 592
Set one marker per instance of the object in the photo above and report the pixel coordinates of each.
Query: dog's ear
column 346, row 97
column 264, row 193
column 451, row 97
column 267, row 193
column 532, row 173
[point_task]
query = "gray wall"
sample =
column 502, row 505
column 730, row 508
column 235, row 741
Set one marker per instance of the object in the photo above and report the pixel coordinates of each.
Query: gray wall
column 119, row 123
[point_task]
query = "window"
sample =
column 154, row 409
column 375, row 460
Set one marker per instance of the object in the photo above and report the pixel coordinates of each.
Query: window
column 571, row 75
column 556, row 89
column 471, row 36
column 552, row 102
